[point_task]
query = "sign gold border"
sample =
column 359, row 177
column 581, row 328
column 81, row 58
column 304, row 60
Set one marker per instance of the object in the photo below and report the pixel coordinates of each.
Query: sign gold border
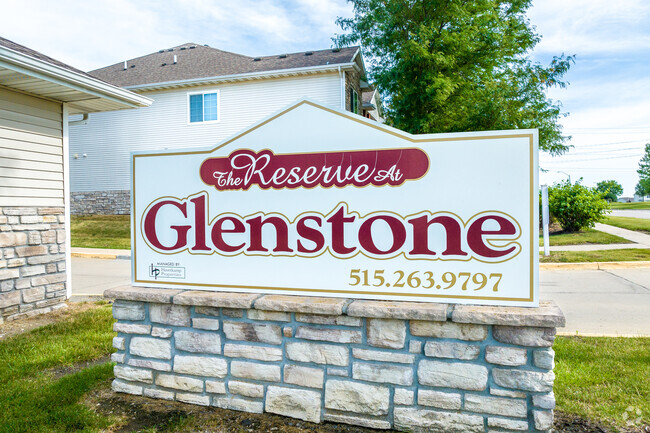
column 351, row 292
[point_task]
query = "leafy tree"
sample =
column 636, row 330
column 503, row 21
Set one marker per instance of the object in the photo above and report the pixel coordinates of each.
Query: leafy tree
column 458, row 65
column 610, row 188
column 643, row 187
column 576, row 206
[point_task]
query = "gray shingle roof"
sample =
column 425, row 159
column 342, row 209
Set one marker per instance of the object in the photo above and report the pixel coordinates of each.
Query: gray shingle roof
column 35, row 54
column 199, row 61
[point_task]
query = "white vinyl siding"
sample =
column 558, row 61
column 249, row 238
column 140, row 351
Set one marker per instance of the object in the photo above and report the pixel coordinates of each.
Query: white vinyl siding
column 31, row 151
column 109, row 138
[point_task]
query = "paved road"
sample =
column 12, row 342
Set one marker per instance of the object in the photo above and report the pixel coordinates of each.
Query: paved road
column 613, row 302
column 632, row 213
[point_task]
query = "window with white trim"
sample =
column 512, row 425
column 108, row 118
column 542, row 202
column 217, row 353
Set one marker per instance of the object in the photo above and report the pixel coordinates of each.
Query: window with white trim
column 203, row 107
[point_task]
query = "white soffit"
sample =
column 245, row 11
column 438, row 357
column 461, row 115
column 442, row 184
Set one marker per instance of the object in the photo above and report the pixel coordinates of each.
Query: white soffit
column 43, row 79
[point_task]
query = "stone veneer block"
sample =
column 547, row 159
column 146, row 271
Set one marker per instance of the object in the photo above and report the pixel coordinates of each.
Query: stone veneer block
column 506, row 355
column 439, row 399
column 131, row 374
column 257, row 333
column 216, row 299
column 508, row 424
column 147, row 363
column 179, row 382
column 254, row 371
column 383, row 356
column 128, row 328
column 547, row 315
column 201, row 342
column 201, row 366
column 357, row 420
column 458, row 331
column 304, row 376
column 496, row 405
column 296, row 403
column 259, row 353
column 387, row 333
column 403, row 396
column 530, row 337
column 205, row 323
column 544, row 358
column 125, row 387
column 356, row 397
column 174, row 315
column 524, row 380
column 331, row 335
column 240, row 404
column 318, row 353
column 128, row 310
column 273, row 316
column 301, row 304
column 151, row 347
column 320, row 319
column 453, row 350
column 435, row 421
column 396, row 375
column 201, row 400
column 144, row 294
column 458, row 375
column 398, row 310
column 246, row 389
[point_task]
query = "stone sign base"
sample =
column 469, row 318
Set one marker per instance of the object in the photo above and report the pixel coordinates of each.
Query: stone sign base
column 401, row 365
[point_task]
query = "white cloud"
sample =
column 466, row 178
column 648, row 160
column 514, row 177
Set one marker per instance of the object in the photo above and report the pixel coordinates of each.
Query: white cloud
column 591, row 26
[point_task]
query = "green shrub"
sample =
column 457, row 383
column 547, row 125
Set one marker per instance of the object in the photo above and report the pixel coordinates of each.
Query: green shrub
column 575, row 206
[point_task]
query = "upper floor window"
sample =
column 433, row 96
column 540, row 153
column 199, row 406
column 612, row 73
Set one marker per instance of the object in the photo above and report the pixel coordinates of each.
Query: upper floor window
column 203, row 107
column 354, row 101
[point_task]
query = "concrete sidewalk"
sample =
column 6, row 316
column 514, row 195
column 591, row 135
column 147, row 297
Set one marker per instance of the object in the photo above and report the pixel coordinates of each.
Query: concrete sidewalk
column 637, row 240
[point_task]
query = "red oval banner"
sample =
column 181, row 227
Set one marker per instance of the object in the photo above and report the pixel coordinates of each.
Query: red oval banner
column 244, row 168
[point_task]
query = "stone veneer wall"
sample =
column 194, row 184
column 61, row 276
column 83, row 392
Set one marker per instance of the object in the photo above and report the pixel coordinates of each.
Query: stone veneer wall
column 401, row 365
column 116, row 202
column 32, row 261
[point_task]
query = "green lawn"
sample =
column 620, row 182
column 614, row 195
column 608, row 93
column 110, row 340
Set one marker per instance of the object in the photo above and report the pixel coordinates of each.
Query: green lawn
column 636, row 224
column 596, row 378
column 635, row 205
column 600, row 378
column 101, row 231
column 587, row 236
column 625, row 255
column 34, row 396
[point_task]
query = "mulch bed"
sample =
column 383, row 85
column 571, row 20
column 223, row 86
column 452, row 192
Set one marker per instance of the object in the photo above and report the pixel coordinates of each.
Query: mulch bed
column 138, row 413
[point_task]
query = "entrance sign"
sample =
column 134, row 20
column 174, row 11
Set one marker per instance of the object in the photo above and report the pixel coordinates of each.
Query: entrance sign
column 321, row 202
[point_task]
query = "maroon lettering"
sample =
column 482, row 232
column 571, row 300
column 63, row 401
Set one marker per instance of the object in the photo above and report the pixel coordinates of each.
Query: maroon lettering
column 476, row 236
column 150, row 226
column 396, row 227
column 453, row 233
column 310, row 234
column 281, row 234
column 218, row 231
column 338, row 221
column 199, row 224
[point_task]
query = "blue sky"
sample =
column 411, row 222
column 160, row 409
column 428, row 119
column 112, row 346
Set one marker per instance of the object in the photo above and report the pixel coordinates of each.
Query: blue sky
column 608, row 98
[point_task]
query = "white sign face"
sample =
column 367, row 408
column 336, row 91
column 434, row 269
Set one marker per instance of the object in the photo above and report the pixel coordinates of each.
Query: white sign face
column 316, row 201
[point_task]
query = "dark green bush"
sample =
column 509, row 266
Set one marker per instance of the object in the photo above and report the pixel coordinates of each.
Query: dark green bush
column 575, row 206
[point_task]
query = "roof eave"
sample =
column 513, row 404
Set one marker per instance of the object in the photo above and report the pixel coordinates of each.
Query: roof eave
column 241, row 77
column 40, row 69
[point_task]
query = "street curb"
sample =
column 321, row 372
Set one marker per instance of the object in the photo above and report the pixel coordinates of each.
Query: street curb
column 101, row 256
column 594, row 266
